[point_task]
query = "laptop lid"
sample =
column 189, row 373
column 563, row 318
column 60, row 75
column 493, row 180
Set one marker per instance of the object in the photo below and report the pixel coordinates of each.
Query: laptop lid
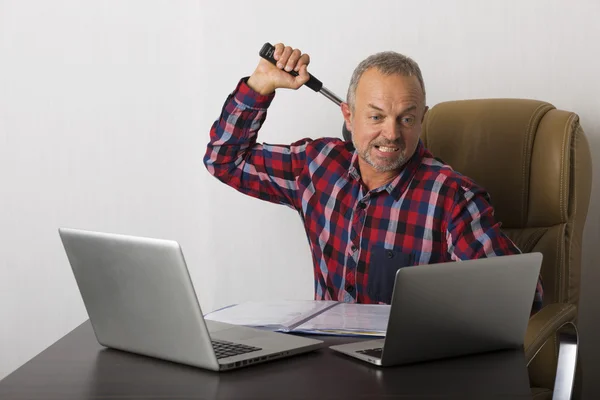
column 458, row 308
column 139, row 296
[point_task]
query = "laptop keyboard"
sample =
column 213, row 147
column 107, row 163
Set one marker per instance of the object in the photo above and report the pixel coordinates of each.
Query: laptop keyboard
column 372, row 352
column 228, row 349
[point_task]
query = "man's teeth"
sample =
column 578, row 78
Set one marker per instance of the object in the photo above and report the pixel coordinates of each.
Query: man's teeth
column 387, row 149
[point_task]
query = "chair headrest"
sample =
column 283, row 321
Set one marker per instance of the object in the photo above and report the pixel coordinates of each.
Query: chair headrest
column 519, row 150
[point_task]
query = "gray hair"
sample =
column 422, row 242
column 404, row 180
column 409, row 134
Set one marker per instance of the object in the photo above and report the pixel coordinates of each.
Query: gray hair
column 388, row 63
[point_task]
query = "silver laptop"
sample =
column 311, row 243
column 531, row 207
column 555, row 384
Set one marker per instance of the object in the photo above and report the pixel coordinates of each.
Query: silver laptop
column 454, row 309
column 140, row 298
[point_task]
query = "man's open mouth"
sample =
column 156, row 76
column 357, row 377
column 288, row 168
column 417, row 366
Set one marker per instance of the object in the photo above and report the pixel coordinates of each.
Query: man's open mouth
column 386, row 149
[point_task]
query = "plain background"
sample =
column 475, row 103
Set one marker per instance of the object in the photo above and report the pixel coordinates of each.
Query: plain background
column 105, row 109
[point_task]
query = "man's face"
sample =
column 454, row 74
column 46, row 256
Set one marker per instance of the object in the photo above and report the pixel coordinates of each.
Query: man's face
column 387, row 119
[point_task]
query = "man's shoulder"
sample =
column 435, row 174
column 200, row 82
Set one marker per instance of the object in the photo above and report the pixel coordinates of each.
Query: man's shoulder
column 328, row 142
column 435, row 169
column 328, row 146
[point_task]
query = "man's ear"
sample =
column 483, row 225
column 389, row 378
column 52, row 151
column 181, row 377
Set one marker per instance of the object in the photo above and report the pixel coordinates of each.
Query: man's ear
column 347, row 116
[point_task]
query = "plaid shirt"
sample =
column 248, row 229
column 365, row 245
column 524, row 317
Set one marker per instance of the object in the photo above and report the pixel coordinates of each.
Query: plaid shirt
column 359, row 238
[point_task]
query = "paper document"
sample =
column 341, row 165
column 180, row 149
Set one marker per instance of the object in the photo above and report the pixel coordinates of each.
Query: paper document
column 350, row 319
column 283, row 315
column 308, row 316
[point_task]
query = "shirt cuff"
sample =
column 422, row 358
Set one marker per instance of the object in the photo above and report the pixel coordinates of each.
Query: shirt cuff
column 247, row 96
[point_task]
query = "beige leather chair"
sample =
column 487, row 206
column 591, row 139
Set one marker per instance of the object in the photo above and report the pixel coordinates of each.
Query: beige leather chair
column 535, row 162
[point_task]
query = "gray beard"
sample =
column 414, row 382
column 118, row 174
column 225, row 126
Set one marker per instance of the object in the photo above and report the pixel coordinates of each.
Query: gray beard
column 365, row 155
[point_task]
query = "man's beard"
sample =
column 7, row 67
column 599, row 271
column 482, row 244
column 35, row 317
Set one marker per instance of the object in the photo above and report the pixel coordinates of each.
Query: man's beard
column 395, row 164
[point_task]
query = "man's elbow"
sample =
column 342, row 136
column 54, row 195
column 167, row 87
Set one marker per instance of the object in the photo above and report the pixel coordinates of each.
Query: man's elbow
column 208, row 163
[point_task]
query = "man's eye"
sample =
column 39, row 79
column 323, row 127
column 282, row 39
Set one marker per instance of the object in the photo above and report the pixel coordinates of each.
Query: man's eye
column 375, row 117
column 408, row 121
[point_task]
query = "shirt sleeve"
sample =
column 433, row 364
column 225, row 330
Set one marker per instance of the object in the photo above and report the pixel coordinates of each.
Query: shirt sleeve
column 473, row 232
column 267, row 172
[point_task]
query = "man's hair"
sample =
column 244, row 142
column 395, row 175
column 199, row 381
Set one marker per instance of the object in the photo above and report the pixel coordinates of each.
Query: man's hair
column 388, row 63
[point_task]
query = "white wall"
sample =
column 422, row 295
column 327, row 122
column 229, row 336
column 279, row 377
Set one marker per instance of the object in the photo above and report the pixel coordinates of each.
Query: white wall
column 105, row 109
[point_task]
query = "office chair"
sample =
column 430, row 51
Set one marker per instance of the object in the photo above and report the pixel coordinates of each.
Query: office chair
column 535, row 162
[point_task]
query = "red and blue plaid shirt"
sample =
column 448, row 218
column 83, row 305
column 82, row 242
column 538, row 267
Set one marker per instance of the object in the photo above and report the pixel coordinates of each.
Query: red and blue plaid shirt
column 359, row 238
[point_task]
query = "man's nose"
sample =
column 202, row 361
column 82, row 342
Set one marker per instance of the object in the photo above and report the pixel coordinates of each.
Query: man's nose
column 392, row 131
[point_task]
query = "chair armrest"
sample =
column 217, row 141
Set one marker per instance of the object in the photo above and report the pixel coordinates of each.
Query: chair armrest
column 544, row 324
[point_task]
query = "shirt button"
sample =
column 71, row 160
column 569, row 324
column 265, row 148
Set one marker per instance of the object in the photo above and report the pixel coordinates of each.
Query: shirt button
column 349, row 288
column 390, row 254
column 353, row 248
column 362, row 206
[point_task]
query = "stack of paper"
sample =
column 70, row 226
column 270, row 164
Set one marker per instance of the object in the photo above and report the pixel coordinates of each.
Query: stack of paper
column 349, row 319
column 308, row 316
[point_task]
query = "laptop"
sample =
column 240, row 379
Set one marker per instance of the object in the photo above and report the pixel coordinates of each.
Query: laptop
column 453, row 309
column 140, row 298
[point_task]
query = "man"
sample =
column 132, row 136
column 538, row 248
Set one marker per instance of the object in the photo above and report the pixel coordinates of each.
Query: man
column 371, row 206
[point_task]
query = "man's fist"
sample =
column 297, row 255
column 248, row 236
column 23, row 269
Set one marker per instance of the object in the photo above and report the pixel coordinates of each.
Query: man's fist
column 268, row 77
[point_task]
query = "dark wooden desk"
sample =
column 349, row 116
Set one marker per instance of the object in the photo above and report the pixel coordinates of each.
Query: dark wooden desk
column 77, row 367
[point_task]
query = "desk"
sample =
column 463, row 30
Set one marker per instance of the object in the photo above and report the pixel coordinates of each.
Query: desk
column 77, row 367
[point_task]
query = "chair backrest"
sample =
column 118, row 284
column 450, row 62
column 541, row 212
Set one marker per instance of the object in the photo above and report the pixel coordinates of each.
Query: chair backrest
column 535, row 162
